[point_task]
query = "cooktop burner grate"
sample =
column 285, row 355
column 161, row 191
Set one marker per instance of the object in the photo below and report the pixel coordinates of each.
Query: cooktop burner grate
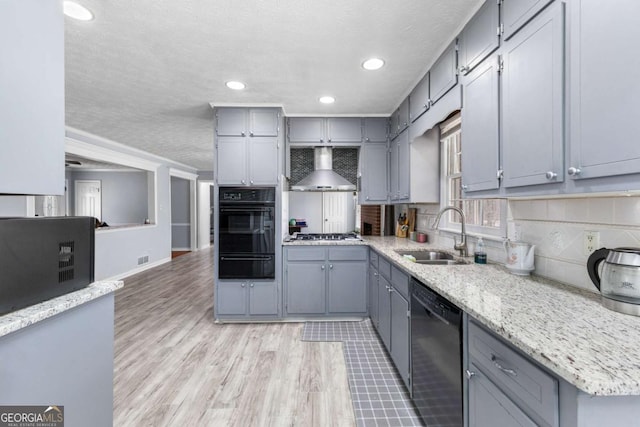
column 326, row 236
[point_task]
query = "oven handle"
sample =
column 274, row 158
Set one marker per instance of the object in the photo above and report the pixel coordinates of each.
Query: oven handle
column 263, row 258
column 243, row 210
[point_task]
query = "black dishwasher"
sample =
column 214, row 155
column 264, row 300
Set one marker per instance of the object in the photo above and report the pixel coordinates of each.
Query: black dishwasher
column 436, row 357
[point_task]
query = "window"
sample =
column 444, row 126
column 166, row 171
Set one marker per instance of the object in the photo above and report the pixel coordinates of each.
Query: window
column 483, row 216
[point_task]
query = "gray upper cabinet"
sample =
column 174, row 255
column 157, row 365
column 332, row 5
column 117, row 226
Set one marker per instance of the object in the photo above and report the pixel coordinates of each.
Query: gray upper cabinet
column 344, row 130
column 419, row 101
column 399, row 168
column 247, row 122
column 376, row 129
column 516, row 13
column 444, row 74
column 247, row 146
column 375, row 173
column 480, row 128
column 32, row 97
column 394, row 124
column 306, row 129
column 480, row 37
column 533, row 101
column 403, row 115
column 318, row 130
column 604, row 90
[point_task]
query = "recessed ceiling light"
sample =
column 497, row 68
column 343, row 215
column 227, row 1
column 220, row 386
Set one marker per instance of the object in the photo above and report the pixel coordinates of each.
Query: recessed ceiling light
column 235, row 85
column 373, row 64
column 327, row 99
column 77, row 11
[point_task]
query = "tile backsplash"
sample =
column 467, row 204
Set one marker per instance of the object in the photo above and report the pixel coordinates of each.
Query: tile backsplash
column 557, row 227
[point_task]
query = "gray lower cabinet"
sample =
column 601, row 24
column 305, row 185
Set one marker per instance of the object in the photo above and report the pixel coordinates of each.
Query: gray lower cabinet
column 325, row 280
column 32, row 97
column 479, row 38
column 480, row 127
column 501, row 378
column 392, row 317
column 374, row 180
column 604, row 112
column 533, row 102
column 247, row 298
column 373, row 288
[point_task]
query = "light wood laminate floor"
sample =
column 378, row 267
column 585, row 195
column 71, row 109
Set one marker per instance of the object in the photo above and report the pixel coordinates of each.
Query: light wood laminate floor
column 175, row 367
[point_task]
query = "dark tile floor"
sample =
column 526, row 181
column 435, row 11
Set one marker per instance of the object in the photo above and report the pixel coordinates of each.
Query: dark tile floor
column 377, row 391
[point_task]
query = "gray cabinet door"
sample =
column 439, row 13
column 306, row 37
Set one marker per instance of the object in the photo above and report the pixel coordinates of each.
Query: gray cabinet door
column 533, row 101
column 516, row 13
column 604, row 89
column 490, row 407
column 344, row 130
column 394, row 174
column 263, row 122
column 231, row 121
column 444, row 74
column 419, row 101
column 479, row 37
column 32, row 97
column 231, row 298
column 394, row 124
column 306, row 129
column 403, row 115
column 263, row 161
column 231, row 158
column 376, row 129
column 263, row 298
column 400, row 335
column 306, row 288
column 373, row 295
column 480, row 128
column 375, row 174
column 384, row 311
column 403, row 166
column 348, row 287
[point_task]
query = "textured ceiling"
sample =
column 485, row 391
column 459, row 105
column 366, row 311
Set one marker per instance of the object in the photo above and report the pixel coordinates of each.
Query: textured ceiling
column 143, row 72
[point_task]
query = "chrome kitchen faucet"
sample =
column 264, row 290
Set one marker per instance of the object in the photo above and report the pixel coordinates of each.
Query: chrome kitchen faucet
column 462, row 246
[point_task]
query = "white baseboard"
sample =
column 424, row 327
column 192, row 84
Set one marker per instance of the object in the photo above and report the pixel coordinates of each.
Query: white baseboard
column 138, row 269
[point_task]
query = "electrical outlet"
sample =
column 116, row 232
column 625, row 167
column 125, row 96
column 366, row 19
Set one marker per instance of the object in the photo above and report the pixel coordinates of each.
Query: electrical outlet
column 591, row 241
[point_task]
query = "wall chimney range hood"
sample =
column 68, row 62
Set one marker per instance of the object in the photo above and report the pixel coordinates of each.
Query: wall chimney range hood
column 323, row 178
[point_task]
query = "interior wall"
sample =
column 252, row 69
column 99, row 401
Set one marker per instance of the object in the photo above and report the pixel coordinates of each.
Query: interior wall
column 13, row 206
column 307, row 205
column 180, row 214
column 124, row 195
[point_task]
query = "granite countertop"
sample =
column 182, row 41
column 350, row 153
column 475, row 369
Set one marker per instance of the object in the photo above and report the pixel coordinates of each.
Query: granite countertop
column 22, row 318
column 563, row 328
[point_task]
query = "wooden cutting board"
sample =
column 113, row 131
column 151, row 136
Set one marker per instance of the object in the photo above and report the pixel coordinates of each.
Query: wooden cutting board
column 411, row 219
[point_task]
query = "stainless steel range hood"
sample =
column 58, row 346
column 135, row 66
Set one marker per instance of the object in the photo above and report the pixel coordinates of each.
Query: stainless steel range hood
column 323, row 178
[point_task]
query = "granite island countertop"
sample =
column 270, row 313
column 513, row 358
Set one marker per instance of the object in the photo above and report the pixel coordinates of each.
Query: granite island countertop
column 565, row 329
column 27, row 316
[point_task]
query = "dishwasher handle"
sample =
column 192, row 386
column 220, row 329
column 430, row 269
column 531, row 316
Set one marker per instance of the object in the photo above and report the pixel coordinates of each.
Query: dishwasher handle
column 428, row 308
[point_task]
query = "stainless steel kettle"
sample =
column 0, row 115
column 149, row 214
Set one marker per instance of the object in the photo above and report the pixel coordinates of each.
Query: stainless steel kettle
column 619, row 279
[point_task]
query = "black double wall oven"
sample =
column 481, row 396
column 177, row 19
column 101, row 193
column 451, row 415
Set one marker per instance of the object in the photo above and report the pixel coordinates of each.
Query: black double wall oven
column 247, row 234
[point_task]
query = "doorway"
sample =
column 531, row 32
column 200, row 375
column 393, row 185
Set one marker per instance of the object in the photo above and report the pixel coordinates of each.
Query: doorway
column 88, row 195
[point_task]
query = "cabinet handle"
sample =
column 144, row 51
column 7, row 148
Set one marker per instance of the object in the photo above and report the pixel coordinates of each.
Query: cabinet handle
column 367, row 139
column 574, row 171
column 367, row 198
column 243, row 285
column 322, row 267
column 251, row 182
column 551, row 175
column 470, row 374
column 390, row 289
column 426, row 106
column 464, row 187
column 250, row 133
column 507, row 371
column 243, row 181
column 330, row 266
column 463, row 69
column 375, row 274
column 251, row 285
column 329, row 140
column 321, row 140
column 242, row 134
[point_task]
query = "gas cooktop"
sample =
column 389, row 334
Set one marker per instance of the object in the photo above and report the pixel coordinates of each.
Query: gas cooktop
column 325, row 236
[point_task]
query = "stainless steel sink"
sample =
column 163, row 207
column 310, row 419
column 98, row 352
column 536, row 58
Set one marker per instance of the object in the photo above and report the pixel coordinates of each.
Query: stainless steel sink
column 433, row 257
